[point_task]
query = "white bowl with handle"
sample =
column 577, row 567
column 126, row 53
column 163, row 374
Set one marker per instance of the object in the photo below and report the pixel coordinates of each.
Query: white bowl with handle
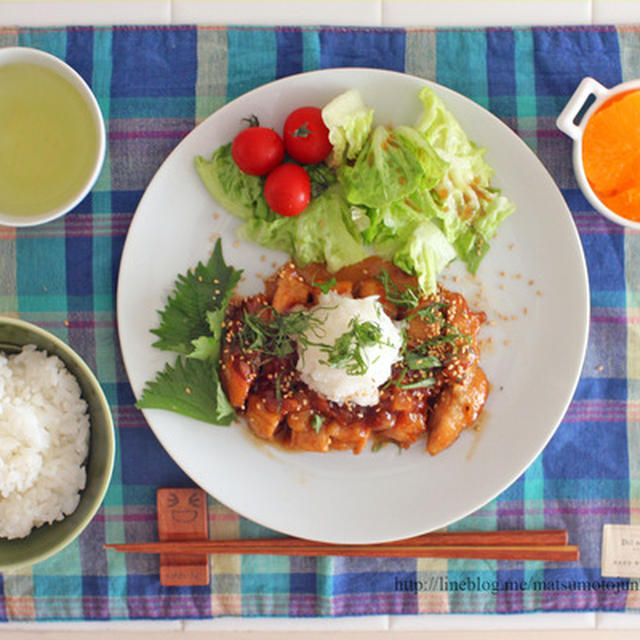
column 573, row 120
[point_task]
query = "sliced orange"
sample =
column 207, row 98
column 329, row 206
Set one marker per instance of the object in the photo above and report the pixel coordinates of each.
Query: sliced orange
column 611, row 146
column 625, row 203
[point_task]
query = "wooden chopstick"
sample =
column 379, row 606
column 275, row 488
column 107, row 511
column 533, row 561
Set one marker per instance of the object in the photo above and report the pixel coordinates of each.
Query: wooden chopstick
column 499, row 545
column 555, row 553
column 518, row 537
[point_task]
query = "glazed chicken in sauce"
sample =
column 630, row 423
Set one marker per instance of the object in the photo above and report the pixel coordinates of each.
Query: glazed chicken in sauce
column 435, row 389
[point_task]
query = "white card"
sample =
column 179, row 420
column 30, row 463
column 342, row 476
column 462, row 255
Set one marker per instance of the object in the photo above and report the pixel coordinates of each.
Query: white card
column 621, row 551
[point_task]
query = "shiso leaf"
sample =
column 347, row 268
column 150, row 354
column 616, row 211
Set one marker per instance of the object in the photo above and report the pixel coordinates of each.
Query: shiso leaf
column 191, row 388
column 208, row 287
column 191, row 325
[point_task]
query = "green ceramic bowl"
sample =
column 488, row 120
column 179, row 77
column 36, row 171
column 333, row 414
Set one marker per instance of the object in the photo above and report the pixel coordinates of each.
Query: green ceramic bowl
column 49, row 539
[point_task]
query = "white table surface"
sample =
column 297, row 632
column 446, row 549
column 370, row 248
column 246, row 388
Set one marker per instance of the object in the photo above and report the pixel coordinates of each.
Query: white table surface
column 390, row 13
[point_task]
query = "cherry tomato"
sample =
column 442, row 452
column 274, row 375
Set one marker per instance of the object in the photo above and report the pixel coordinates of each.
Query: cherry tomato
column 306, row 137
column 257, row 150
column 287, row 189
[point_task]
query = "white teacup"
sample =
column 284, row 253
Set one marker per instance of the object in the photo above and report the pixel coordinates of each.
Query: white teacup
column 570, row 122
column 52, row 137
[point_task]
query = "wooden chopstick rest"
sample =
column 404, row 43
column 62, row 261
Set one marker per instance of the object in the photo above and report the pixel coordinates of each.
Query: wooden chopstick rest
column 182, row 517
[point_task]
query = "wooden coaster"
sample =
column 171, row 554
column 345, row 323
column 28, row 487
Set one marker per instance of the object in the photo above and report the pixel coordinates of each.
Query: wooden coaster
column 182, row 515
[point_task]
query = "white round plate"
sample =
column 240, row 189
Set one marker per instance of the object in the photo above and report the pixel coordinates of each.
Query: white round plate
column 532, row 284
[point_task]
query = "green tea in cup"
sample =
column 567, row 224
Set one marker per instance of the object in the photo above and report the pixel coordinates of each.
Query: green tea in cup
column 52, row 138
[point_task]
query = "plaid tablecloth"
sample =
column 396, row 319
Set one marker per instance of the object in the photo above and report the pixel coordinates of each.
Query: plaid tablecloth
column 153, row 85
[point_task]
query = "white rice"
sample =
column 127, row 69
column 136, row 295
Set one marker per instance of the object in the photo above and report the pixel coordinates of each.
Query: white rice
column 44, row 441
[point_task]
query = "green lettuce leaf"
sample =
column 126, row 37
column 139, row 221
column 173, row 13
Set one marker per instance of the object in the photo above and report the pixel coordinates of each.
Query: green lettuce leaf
column 349, row 123
column 392, row 164
column 277, row 233
column 464, row 196
column 495, row 210
column 390, row 221
column 471, row 248
column 473, row 244
column 425, row 253
column 208, row 347
column 323, row 232
column 445, row 134
column 326, row 232
column 414, row 242
column 238, row 192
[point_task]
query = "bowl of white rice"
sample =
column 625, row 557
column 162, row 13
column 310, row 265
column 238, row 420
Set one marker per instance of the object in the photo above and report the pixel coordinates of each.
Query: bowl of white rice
column 57, row 444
